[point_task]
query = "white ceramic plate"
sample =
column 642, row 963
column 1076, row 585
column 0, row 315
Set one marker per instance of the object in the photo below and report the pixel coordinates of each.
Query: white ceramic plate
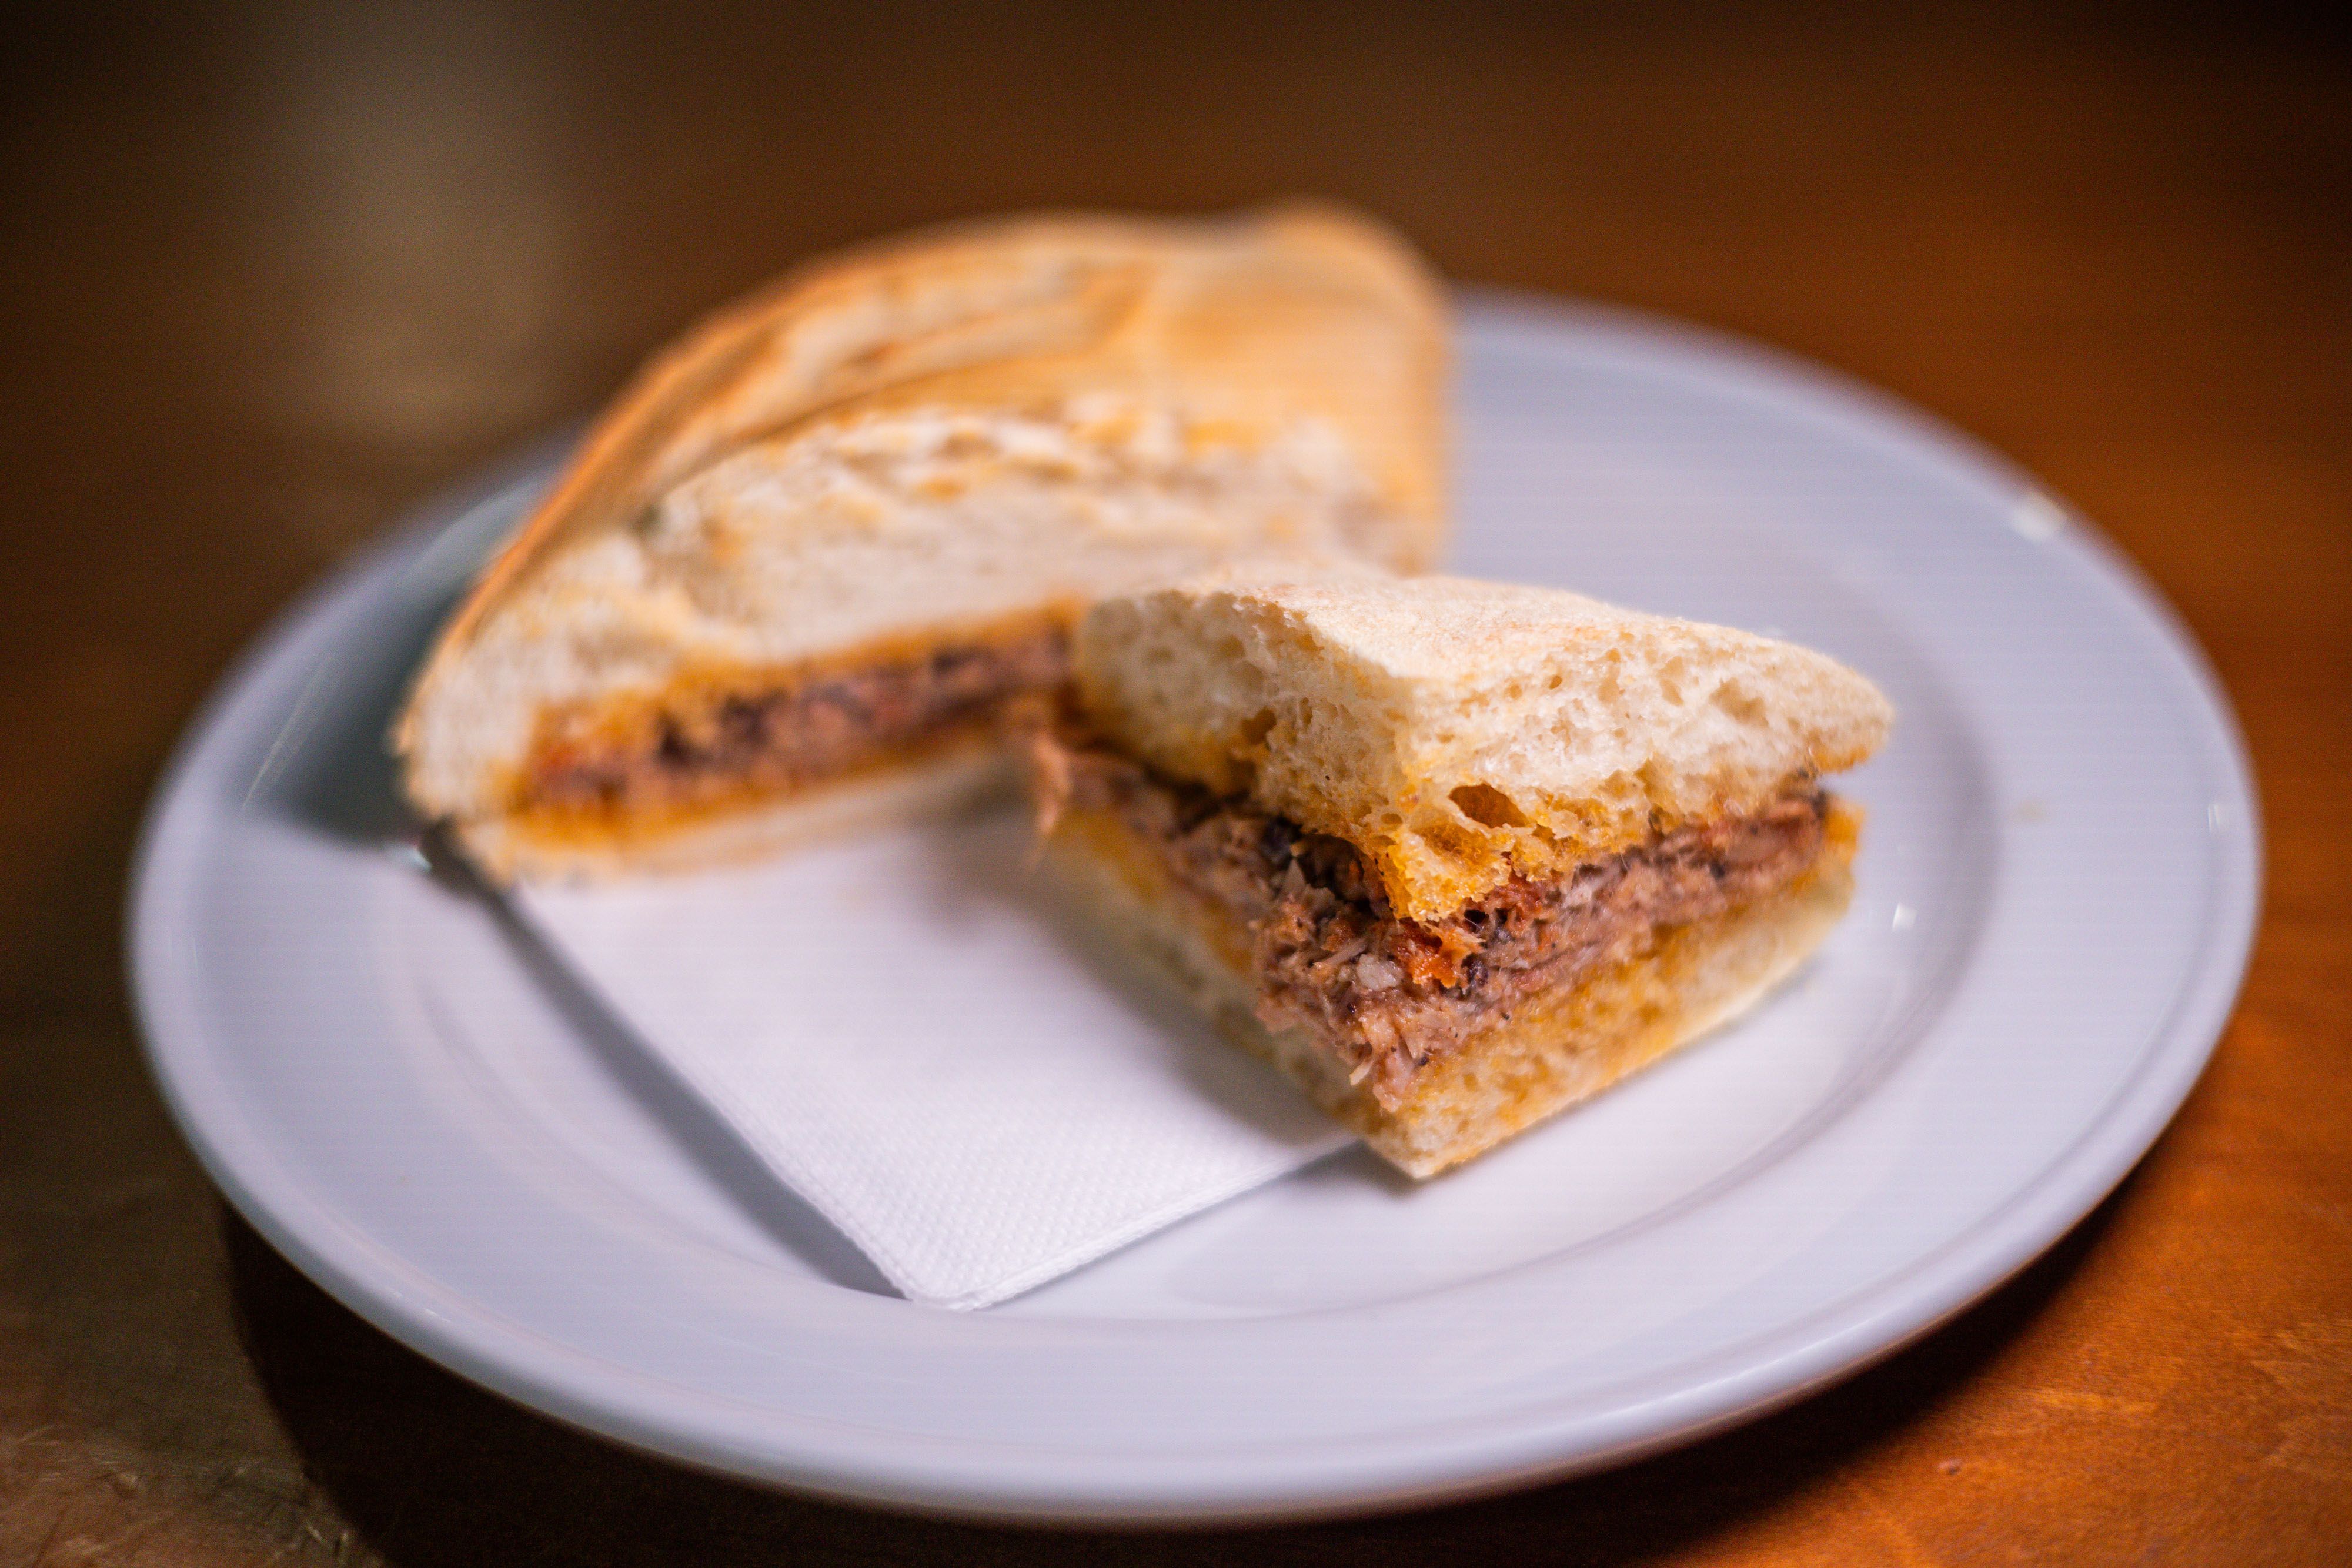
column 2058, row 888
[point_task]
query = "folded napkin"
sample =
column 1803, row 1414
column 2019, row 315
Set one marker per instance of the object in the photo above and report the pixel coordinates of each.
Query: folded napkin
column 918, row 1038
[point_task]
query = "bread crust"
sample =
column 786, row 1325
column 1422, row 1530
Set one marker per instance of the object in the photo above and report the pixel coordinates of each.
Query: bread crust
column 1556, row 1051
column 991, row 308
column 1457, row 732
column 1250, row 323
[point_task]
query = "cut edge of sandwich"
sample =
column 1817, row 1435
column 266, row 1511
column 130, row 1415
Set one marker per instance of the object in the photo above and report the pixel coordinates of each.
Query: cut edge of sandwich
column 727, row 763
column 972, row 774
column 1460, row 732
column 1559, row 1050
column 1453, row 856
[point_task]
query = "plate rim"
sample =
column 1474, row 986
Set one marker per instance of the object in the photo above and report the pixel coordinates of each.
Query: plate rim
column 1874, row 1323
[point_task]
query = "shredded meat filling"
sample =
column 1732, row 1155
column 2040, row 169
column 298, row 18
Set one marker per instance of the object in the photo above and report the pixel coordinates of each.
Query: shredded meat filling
column 1389, row 994
column 727, row 744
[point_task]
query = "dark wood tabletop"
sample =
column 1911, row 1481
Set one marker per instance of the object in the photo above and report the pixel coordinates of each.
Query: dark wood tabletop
column 268, row 277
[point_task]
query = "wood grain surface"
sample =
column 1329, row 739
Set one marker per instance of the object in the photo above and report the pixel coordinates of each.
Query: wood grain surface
column 268, row 277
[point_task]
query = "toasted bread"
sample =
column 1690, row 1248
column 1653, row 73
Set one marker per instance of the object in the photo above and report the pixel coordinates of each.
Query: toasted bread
column 1453, row 856
column 1460, row 732
column 911, row 447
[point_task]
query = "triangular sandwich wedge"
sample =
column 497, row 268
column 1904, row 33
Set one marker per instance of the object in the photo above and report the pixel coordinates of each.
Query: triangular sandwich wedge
column 1453, row 856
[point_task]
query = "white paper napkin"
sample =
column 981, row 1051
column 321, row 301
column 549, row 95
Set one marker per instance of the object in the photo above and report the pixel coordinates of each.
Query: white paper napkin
column 924, row 1044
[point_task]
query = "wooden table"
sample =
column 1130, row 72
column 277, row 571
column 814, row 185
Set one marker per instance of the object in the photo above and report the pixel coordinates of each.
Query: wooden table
column 268, row 278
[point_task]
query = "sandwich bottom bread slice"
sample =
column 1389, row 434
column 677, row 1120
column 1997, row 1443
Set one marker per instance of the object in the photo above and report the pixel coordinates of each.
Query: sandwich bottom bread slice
column 1453, row 856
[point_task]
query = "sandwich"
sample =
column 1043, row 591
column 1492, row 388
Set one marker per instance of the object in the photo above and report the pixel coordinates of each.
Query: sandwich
column 1452, row 855
column 797, row 575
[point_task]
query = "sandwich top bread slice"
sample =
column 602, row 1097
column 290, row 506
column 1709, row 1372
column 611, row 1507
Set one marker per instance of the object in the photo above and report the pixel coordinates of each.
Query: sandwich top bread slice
column 1453, row 854
column 809, row 555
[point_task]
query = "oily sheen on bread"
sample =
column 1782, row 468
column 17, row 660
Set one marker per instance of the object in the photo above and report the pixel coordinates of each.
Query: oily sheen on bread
column 798, row 570
column 1453, row 855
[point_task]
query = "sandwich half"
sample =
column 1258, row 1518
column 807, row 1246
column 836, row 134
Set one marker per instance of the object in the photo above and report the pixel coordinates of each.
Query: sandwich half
column 799, row 570
column 1453, row 856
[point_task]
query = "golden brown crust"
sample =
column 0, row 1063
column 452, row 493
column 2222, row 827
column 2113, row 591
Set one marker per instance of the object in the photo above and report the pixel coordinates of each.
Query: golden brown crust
column 1239, row 312
column 1288, row 365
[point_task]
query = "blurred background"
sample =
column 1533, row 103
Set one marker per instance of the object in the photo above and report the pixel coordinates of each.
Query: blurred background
column 271, row 274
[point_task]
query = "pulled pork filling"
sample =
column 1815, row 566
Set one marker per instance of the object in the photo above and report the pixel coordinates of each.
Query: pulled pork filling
column 1389, row 994
column 726, row 745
